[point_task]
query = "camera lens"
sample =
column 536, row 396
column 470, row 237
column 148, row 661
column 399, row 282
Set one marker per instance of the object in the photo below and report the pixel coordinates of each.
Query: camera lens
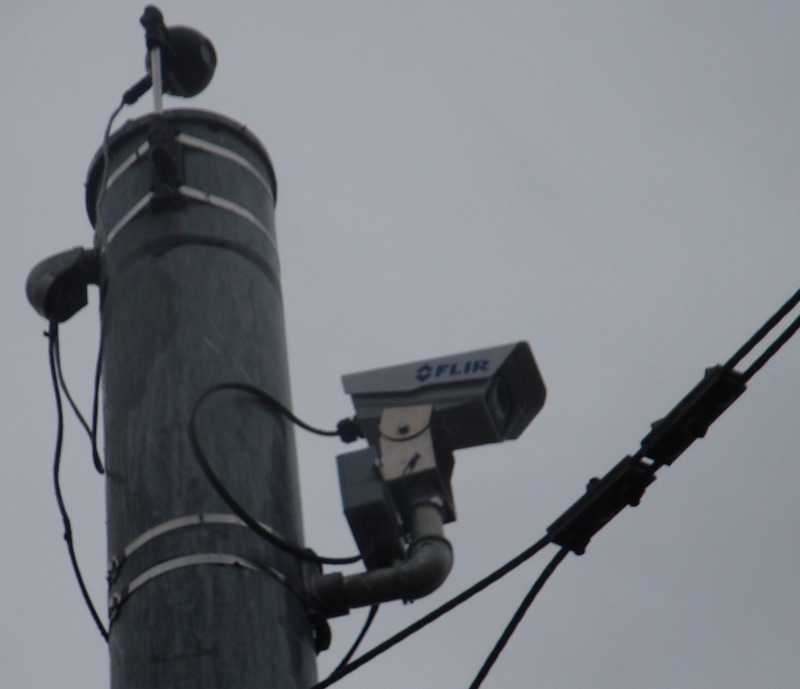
column 499, row 401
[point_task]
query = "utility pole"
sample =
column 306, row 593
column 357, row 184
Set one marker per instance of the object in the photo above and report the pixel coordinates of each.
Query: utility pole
column 182, row 203
column 191, row 298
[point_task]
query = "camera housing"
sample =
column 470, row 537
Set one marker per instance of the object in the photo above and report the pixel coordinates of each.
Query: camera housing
column 482, row 396
column 57, row 286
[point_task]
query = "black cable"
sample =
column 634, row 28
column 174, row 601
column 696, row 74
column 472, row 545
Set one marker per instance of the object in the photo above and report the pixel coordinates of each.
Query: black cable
column 269, row 401
column 52, row 336
column 106, row 160
column 91, row 431
column 517, row 618
column 54, row 355
column 260, row 529
column 465, row 595
column 373, row 611
column 762, row 332
column 770, row 351
column 98, row 369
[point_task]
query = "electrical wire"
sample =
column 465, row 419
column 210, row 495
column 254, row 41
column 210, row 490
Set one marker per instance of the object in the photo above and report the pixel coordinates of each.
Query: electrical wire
column 98, row 370
column 52, row 336
column 756, row 366
column 434, row 615
column 762, row 332
column 373, row 611
column 517, row 618
column 106, row 160
column 265, row 532
column 59, row 383
column 269, row 401
column 773, row 348
column 91, row 431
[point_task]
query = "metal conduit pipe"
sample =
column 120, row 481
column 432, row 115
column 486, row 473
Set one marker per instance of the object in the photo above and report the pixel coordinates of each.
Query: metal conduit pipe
column 429, row 561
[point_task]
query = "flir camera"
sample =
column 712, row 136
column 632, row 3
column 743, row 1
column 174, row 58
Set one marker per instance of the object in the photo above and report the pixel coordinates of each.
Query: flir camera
column 414, row 416
column 483, row 396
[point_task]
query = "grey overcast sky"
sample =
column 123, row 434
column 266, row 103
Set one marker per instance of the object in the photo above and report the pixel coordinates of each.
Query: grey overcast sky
column 616, row 183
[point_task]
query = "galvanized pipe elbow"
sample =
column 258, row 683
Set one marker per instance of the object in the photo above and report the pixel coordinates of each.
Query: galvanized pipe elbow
column 429, row 561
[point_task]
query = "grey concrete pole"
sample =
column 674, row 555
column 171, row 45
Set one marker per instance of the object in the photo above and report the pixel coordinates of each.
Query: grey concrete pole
column 190, row 298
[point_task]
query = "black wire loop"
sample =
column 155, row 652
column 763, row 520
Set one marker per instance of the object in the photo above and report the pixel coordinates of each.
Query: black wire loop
column 91, row 430
column 52, row 336
column 267, row 534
